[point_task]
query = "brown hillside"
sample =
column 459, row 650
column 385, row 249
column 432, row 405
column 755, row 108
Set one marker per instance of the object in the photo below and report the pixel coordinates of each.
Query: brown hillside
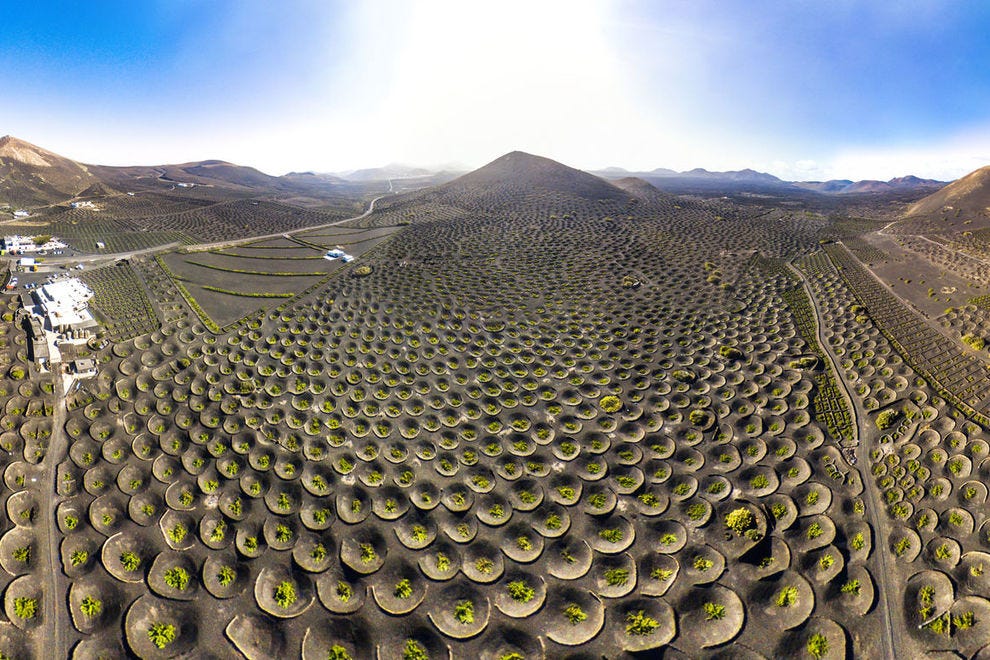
column 519, row 174
column 969, row 195
column 32, row 176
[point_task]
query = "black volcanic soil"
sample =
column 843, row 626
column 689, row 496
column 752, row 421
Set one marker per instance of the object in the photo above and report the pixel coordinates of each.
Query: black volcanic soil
column 549, row 417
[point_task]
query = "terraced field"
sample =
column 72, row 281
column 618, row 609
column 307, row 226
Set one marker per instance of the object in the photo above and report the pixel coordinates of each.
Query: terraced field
column 228, row 284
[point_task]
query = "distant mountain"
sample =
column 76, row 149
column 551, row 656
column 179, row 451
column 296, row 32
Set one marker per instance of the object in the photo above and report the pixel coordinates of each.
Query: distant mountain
column 738, row 176
column 199, row 173
column 831, row 186
column 702, row 180
column 520, row 173
column 968, row 196
column 312, row 177
column 391, row 171
column 228, row 179
column 845, row 186
column 706, row 183
column 32, row 176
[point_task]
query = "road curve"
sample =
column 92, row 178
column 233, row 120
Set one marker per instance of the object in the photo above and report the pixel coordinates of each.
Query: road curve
column 111, row 256
column 251, row 239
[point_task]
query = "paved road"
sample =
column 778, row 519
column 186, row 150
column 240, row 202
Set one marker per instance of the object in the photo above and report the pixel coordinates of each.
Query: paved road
column 112, row 256
column 284, row 234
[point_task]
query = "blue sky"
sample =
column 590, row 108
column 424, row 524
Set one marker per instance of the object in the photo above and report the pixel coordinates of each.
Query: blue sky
column 802, row 89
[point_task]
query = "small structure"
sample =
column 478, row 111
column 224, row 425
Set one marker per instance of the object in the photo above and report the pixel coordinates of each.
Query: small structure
column 21, row 213
column 100, row 245
column 28, row 263
column 84, row 205
column 337, row 253
column 39, row 342
column 84, row 367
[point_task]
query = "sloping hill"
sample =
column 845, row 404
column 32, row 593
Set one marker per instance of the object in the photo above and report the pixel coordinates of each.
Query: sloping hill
column 641, row 189
column 201, row 173
column 518, row 175
column 968, row 196
column 32, row 176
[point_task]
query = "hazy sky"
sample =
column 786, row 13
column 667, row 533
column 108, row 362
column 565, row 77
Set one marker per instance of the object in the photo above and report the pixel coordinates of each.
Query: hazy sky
column 800, row 88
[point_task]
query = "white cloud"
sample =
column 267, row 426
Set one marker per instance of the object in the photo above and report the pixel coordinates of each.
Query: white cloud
column 589, row 83
column 945, row 160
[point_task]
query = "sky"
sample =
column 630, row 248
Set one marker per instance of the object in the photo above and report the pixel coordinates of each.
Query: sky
column 802, row 89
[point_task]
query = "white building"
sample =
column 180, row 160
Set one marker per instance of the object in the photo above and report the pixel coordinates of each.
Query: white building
column 337, row 253
column 21, row 213
column 22, row 244
column 19, row 244
column 65, row 304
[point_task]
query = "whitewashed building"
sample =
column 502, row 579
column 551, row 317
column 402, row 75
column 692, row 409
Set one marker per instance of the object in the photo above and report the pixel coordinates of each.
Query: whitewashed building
column 65, row 304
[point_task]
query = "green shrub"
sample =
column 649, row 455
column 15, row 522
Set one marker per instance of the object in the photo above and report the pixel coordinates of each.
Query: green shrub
column 610, row 403
column 817, row 645
column 403, row 589
column 91, row 606
column 886, row 419
column 520, row 591
column 639, row 623
column 412, row 650
column 713, row 611
column 26, row 608
column 787, row 596
column 285, row 595
column 464, row 611
column 177, row 578
column 739, row 520
column 575, row 614
column 130, row 561
column 161, row 634
column 226, row 575
column 338, row 652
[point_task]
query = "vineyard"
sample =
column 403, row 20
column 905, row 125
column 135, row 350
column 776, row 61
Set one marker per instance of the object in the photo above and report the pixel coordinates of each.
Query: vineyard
column 120, row 302
column 957, row 375
column 830, row 404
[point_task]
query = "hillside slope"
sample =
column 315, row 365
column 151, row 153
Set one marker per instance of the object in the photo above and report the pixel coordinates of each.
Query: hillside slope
column 518, row 176
column 32, row 176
